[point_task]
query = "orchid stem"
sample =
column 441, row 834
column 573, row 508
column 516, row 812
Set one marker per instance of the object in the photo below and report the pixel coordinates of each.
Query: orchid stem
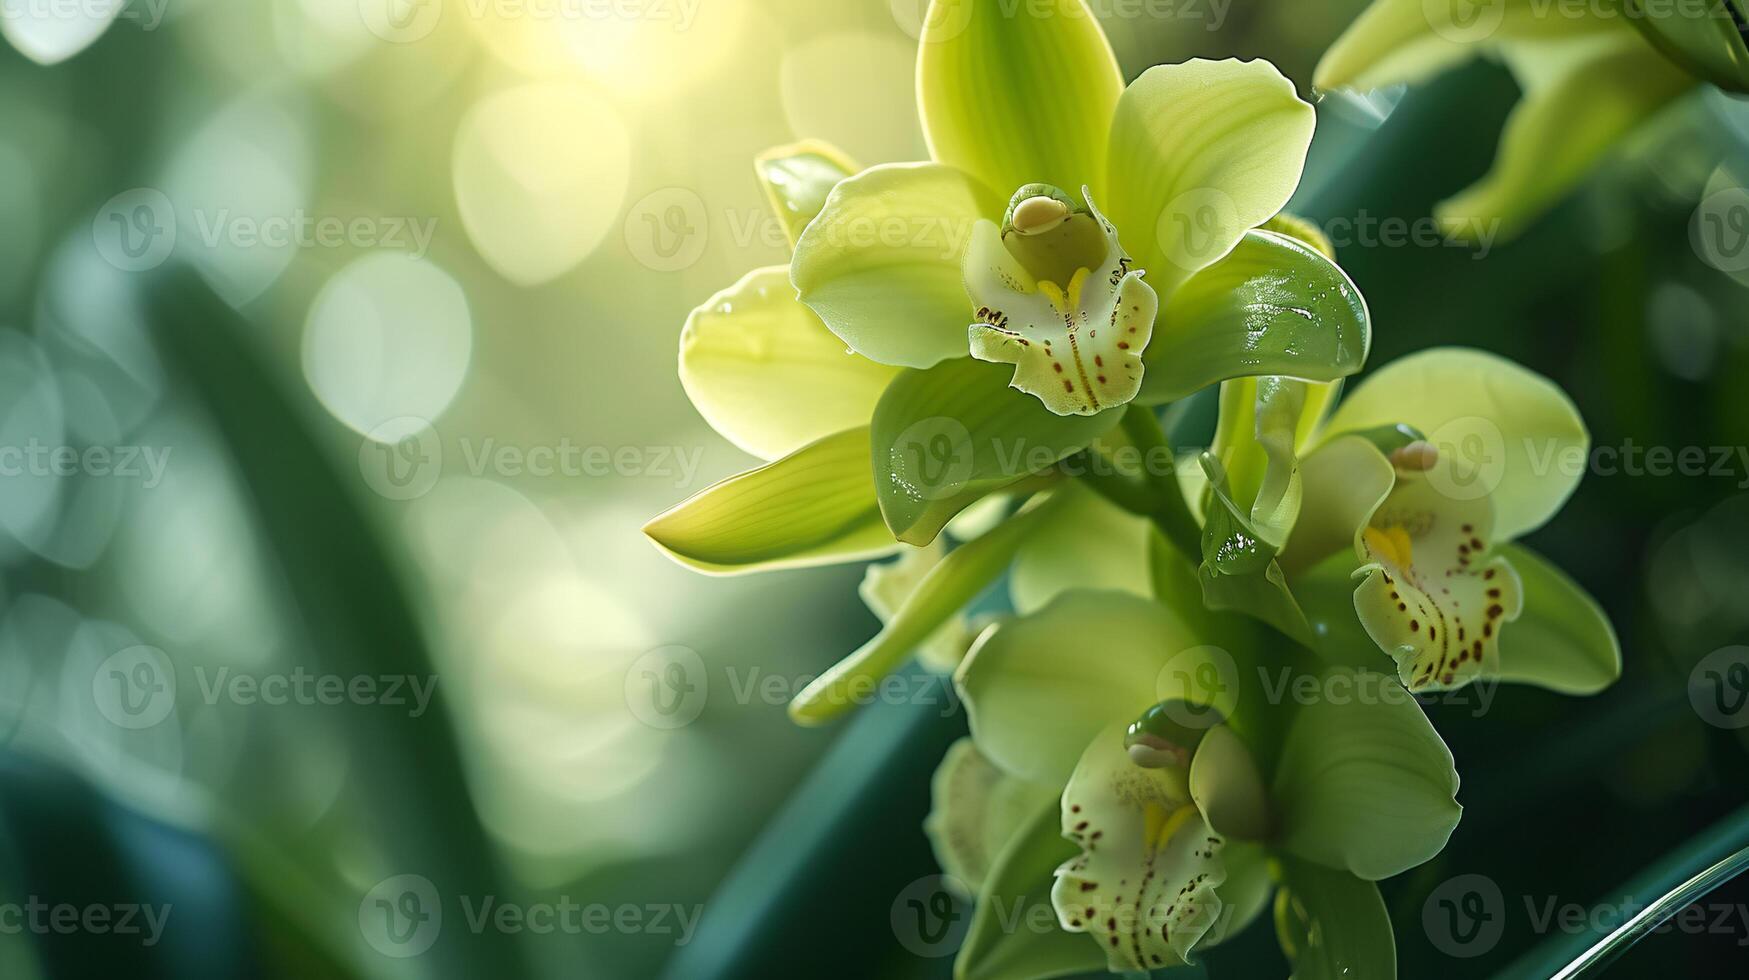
column 1156, row 495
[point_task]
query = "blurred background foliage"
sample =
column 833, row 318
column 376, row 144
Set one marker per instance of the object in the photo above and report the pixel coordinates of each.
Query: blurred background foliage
column 547, row 156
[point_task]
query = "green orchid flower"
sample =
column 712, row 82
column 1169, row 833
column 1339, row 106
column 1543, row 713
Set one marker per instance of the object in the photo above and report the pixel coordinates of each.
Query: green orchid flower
column 1136, row 780
column 1416, row 485
column 1590, row 73
column 1074, row 246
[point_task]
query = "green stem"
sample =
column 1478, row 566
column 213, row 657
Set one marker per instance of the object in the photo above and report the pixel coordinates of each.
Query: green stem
column 1169, row 511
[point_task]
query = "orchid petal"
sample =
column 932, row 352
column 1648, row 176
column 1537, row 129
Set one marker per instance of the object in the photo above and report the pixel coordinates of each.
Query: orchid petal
column 976, row 810
column 1017, row 94
column 1201, row 153
column 881, row 263
column 1517, row 437
column 797, row 178
column 767, row 374
column 815, row 506
column 1364, row 782
column 1562, row 640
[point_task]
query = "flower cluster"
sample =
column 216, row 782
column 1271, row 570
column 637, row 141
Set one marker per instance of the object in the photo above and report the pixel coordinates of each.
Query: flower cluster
column 984, row 400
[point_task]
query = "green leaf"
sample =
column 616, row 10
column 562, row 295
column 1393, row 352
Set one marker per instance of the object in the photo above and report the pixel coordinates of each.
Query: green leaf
column 1202, row 152
column 1703, row 38
column 1364, row 783
column 1239, row 572
column 975, row 810
column 1517, row 437
column 815, row 506
column 1038, row 688
column 1018, row 94
column 1088, row 544
column 797, row 178
column 1562, row 640
column 1581, row 99
column 948, row 587
column 1332, row 925
column 1014, row 933
column 1272, row 306
column 945, row 437
column 767, row 374
column 887, row 585
column 881, row 264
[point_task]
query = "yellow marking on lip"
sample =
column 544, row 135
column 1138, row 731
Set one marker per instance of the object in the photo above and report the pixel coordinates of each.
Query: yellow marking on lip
column 1390, row 543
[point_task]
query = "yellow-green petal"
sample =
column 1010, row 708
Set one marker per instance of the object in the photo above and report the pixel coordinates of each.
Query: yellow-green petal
column 1146, row 884
column 815, row 506
column 1436, row 597
column 975, row 810
column 1017, row 93
column 1227, row 787
column 944, row 591
column 1514, row 434
column 1275, row 305
column 1409, row 41
column 1332, row 925
column 1089, row 543
column 767, row 374
column 1705, row 39
column 881, row 263
column 1013, row 934
column 1202, row 152
column 1581, row 98
column 946, row 437
column 1562, row 640
column 1038, row 687
column 797, row 177
column 1364, row 783
column 1342, row 483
